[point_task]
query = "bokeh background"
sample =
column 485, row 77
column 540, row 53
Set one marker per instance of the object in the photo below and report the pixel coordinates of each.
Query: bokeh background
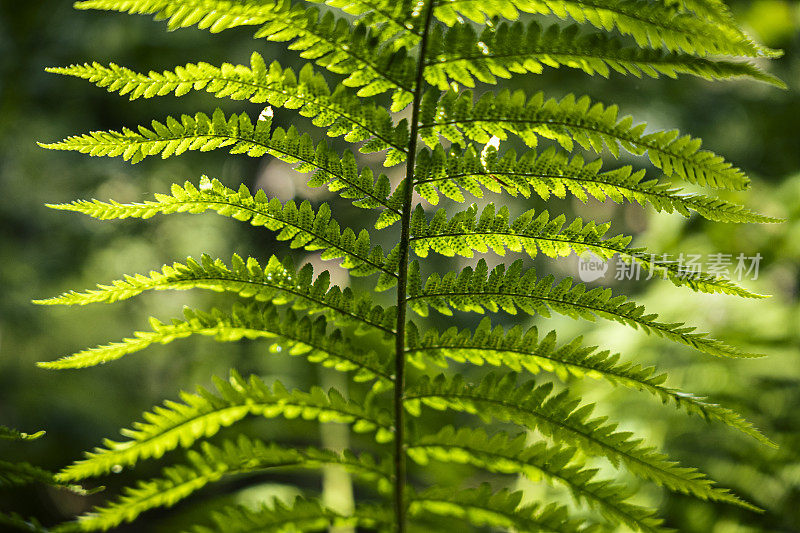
column 44, row 252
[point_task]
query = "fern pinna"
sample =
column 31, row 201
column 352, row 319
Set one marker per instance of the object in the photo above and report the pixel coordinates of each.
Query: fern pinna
column 426, row 57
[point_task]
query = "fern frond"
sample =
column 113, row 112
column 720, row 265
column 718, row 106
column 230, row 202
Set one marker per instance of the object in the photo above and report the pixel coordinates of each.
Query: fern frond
column 298, row 224
column 18, row 474
column 715, row 10
column 467, row 232
column 19, row 523
column 482, row 507
column 219, row 15
column 396, row 19
column 592, row 126
column 553, row 173
column 8, row 433
column 517, row 351
column 650, row 24
column 461, row 55
column 204, row 133
column 530, row 233
column 366, row 55
column 388, row 50
column 277, row 282
column 477, row 289
column 301, row 515
column 21, row 473
column 297, row 335
column 504, row 454
column 362, row 53
column 213, row 15
column 562, row 419
column 213, row 463
column 718, row 12
column 339, row 112
column 201, row 415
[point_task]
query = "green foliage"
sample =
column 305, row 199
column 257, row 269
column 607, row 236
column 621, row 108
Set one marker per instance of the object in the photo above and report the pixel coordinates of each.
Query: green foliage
column 518, row 351
column 14, row 434
column 461, row 55
column 501, row 509
column 213, row 463
column 561, row 418
column 300, row 225
column 504, row 454
column 554, row 173
column 203, row 414
column 17, row 474
column 17, row 522
column 297, row 335
column 476, row 290
column 651, row 24
column 569, row 122
column 422, row 54
column 277, row 282
column 339, row 111
column 301, row 515
column 201, row 132
column 466, row 232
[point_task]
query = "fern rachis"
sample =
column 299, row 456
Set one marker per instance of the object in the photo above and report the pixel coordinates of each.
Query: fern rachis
column 422, row 54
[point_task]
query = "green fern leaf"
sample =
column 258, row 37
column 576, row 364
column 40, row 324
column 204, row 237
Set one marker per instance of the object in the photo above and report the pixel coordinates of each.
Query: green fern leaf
column 506, row 455
column 8, row 433
column 715, row 10
column 19, row 523
column 301, row 515
column 553, row 173
column 564, row 420
column 218, row 15
column 362, row 53
column 203, row 414
column 477, row 289
column 530, row 233
column 205, row 133
column 213, row 463
column 481, row 507
column 16, row 474
column 214, row 15
column 396, row 19
column 339, row 112
column 520, row 351
column 277, row 282
column 591, row 125
column 298, row 224
column 462, row 56
column 296, row 335
column 650, row 24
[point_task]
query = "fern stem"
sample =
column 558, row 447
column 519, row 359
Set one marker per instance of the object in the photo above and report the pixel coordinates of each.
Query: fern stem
column 402, row 282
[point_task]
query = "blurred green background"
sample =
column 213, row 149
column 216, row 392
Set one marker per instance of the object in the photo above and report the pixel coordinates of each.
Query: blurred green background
column 44, row 252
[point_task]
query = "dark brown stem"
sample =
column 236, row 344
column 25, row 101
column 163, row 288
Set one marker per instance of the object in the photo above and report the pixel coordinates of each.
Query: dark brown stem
column 402, row 282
